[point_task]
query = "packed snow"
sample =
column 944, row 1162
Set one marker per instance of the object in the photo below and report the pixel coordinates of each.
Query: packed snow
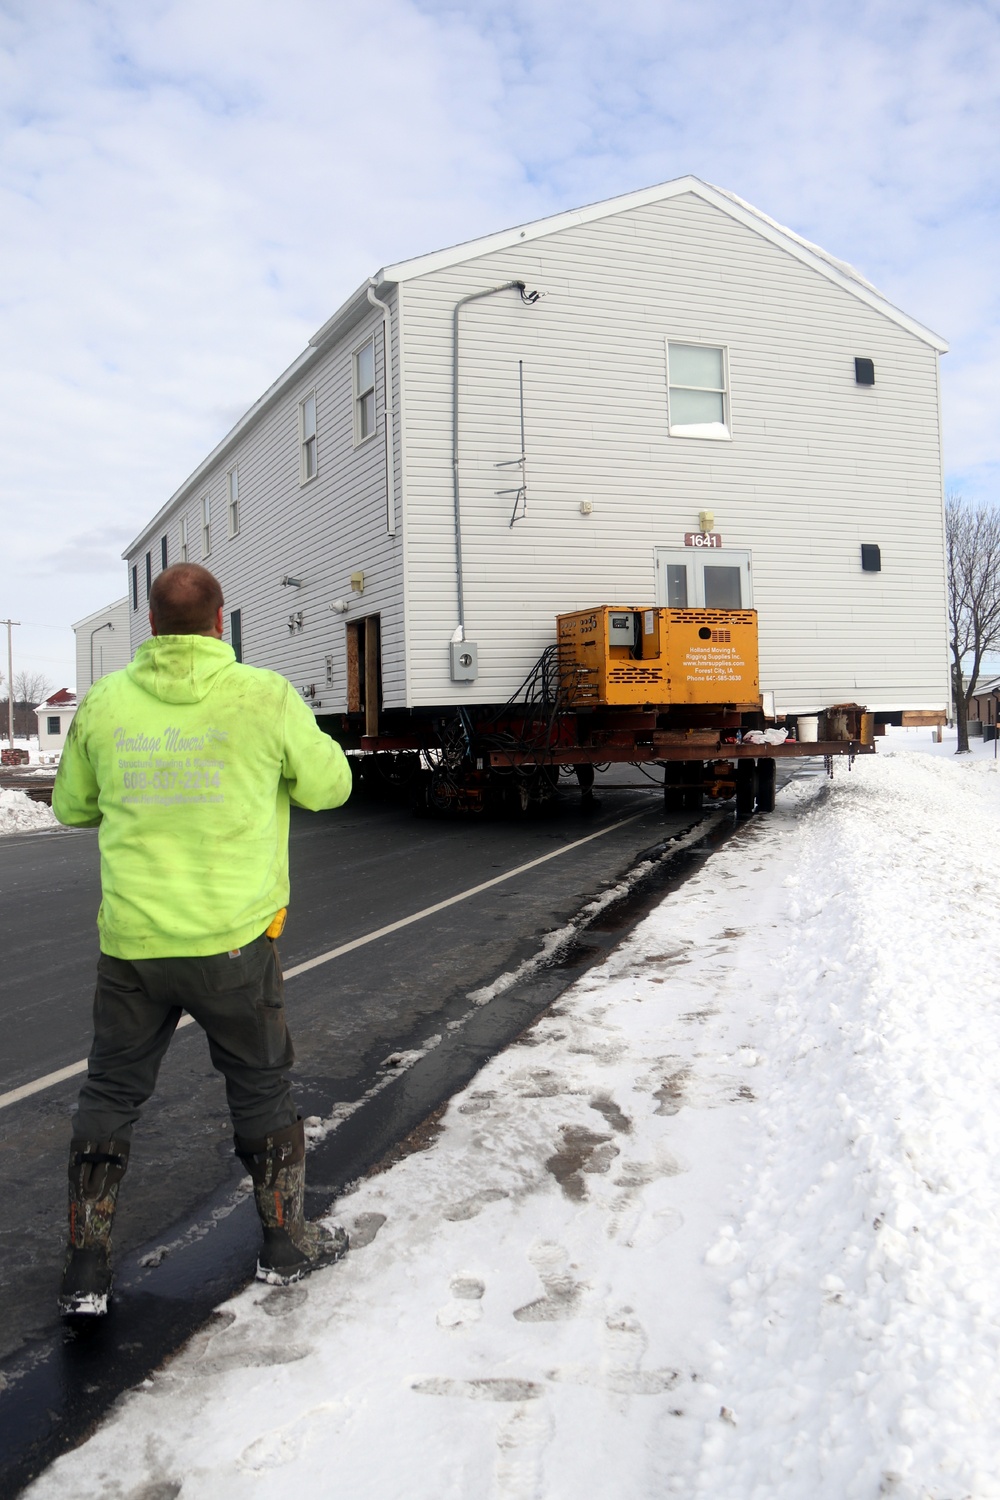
column 18, row 814
column 723, row 1223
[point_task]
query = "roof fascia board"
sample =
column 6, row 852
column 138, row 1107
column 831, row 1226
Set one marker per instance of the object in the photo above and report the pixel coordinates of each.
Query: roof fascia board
column 349, row 313
column 744, row 213
column 98, row 614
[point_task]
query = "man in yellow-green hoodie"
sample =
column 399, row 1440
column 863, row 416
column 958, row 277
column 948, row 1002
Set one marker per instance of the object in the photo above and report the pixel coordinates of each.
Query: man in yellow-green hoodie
column 186, row 762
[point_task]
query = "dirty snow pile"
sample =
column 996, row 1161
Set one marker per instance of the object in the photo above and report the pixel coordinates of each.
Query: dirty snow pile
column 18, row 814
column 724, row 1223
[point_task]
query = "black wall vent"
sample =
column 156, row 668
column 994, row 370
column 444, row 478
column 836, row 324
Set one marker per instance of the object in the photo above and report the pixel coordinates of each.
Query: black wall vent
column 864, row 371
column 871, row 557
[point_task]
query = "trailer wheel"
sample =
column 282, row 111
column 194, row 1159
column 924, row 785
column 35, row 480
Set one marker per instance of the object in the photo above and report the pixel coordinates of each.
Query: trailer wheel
column 767, row 782
column 746, row 787
column 694, row 794
column 673, row 796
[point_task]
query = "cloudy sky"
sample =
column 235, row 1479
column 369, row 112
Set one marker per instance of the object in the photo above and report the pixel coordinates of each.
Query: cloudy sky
column 188, row 188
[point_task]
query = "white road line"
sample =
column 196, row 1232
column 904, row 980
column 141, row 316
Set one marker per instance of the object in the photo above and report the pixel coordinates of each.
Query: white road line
column 61, row 1074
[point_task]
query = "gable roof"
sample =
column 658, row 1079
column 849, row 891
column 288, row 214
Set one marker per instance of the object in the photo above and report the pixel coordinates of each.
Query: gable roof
column 837, row 271
column 62, row 699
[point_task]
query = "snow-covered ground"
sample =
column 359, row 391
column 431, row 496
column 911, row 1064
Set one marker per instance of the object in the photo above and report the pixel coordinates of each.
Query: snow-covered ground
column 723, row 1223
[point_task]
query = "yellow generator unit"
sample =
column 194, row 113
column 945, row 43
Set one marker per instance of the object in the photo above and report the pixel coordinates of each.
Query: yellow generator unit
column 615, row 657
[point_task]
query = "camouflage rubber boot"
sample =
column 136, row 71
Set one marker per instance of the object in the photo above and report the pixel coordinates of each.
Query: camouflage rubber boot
column 292, row 1247
column 95, row 1170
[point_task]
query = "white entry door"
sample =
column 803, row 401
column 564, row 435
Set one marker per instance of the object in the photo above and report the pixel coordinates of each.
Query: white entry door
column 703, row 578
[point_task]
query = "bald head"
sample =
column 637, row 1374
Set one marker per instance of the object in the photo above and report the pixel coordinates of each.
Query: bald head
column 186, row 600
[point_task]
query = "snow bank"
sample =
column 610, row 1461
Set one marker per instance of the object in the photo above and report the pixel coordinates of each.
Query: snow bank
column 722, row 1224
column 18, row 814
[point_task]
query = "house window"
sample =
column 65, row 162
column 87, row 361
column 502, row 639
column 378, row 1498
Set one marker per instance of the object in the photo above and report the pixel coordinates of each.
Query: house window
column 149, row 573
column 233, row 493
column 135, row 587
column 163, row 551
column 236, row 633
column 307, row 438
column 206, row 525
column 364, row 391
column 698, row 394
column 51, row 726
column 184, row 539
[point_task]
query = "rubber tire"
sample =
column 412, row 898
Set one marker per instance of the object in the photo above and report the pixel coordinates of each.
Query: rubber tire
column 746, row 787
column 767, row 783
column 694, row 771
column 673, row 796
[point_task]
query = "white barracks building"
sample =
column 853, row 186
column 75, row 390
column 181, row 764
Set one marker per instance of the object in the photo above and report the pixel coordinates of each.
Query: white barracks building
column 698, row 407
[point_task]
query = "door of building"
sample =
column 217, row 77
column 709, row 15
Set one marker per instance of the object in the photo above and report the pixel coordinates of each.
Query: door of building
column 703, row 578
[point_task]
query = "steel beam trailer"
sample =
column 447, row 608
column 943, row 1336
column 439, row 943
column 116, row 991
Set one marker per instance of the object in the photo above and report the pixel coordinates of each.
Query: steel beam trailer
column 620, row 685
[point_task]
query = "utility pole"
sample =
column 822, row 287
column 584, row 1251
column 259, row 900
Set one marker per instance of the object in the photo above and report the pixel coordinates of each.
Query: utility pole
column 10, row 680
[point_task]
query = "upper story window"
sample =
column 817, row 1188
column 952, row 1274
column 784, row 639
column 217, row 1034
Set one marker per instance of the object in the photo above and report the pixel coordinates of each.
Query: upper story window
column 698, row 396
column 184, row 538
column 307, row 439
column 135, row 586
column 364, row 391
column 206, row 525
column 163, row 551
column 233, row 500
column 149, row 573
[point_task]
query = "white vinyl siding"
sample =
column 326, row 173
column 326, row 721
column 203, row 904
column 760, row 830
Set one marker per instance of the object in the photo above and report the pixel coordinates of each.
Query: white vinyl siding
column 817, row 460
column 342, row 530
column 102, row 644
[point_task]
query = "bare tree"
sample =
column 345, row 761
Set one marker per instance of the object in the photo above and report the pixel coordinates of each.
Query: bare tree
column 973, row 542
column 31, row 688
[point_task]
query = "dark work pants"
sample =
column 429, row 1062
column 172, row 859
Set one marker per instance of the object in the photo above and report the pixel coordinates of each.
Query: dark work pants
column 237, row 1001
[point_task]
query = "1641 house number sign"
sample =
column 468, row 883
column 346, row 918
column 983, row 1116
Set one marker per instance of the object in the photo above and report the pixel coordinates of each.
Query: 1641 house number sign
column 702, row 539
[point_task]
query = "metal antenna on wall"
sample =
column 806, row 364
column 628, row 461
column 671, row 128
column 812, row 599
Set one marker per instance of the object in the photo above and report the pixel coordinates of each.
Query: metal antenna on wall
column 521, row 493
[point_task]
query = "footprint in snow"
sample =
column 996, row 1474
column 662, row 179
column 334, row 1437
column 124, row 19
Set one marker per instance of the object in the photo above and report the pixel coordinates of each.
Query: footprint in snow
column 282, row 1446
column 624, row 1345
column 522, row 1438
column 468, row 1208
column 465, row 1305
column 562, row 1291
column 503, row 1388
column 363, row 1229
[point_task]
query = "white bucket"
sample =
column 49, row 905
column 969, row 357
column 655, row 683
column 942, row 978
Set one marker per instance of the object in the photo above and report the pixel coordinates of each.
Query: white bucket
column 808, row 728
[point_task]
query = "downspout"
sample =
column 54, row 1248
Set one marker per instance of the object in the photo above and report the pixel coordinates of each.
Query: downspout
column 490, row 291
column 390, row 457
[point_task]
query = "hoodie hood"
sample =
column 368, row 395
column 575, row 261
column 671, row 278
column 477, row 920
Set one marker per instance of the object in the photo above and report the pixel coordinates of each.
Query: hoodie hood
column 180, row 668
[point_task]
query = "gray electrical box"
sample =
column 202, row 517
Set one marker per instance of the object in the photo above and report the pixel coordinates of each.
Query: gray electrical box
column 621, row 628
column 464, row 661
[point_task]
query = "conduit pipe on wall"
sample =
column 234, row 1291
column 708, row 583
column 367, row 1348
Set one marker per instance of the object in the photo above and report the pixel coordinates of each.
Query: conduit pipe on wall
column 530, row 298
column 390, row 457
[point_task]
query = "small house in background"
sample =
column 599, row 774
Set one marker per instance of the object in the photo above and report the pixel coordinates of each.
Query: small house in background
column 984, row 708
column 102, row 644
column 55, row 716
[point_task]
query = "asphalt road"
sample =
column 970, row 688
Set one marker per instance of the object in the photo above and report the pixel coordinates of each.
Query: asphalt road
column 354, row 872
